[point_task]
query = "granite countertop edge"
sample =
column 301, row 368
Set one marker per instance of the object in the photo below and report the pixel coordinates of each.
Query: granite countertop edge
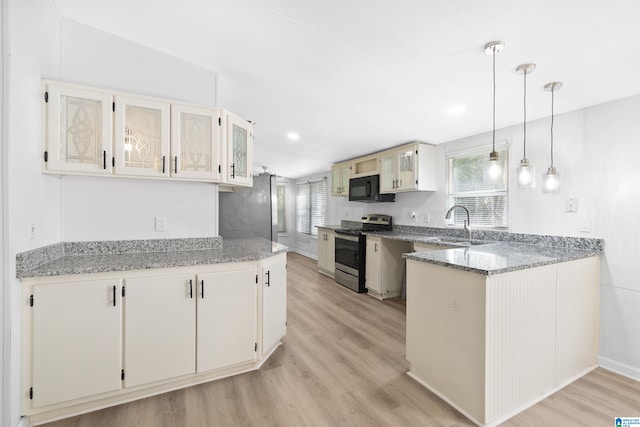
column 231, row 250
column 527, row 257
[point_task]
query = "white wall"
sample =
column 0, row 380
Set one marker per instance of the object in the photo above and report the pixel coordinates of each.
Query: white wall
column 5, row 316
column 41, row 44
column 33, row 43
column 108, row 209
column 596, row 151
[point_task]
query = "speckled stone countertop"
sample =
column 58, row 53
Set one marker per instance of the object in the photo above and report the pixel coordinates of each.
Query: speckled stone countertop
column 493, row 252
column 103, row 260
column 500, row 257
column 329, row 227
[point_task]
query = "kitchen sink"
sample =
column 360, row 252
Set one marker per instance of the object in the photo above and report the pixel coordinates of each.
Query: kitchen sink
column 462, row 242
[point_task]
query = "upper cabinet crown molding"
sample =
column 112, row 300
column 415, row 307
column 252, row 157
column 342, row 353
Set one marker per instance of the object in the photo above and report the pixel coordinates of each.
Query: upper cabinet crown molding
column 90, row 131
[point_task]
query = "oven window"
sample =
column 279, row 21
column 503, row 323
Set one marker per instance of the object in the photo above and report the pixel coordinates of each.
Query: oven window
column 347, row 252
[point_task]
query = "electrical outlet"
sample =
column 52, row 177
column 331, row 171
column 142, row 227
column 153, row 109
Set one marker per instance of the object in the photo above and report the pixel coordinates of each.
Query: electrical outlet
column 414, row 216
column 31, row 230
column 161, row 223
column 427, row 218
column 572, row 205
column 585, row 225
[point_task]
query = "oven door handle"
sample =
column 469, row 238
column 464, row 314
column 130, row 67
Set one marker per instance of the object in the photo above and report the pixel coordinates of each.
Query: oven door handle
column 347, row 237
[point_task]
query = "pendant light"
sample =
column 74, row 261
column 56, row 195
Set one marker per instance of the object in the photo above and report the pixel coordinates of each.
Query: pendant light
column 551, row 179
column 495, row 170
column 526, row 171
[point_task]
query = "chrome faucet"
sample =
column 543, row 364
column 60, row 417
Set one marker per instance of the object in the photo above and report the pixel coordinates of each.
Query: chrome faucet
column 467, row 222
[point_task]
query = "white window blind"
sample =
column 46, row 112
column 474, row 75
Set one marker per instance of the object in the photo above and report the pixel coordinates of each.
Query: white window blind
column 311, row 206
column 470, row 186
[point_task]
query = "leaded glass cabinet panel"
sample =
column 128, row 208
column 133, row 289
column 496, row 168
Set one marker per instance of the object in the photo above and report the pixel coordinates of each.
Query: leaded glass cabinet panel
column 388, row 172
column 195, row 136
column 78, row 129
column 406, row 168
column 141, row 137
column 239, row 150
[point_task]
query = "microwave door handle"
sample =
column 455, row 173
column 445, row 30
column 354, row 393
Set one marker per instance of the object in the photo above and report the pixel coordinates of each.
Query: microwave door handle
column 368, row 189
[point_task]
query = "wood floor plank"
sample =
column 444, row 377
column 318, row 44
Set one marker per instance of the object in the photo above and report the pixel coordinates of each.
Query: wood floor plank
column 343, row 363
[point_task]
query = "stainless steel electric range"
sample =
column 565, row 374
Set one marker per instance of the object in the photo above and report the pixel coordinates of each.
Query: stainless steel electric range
column 351, row 249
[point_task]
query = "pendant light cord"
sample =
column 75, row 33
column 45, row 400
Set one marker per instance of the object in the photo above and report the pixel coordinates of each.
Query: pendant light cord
column 525, row 115
column 552, row 99
column 494, row 98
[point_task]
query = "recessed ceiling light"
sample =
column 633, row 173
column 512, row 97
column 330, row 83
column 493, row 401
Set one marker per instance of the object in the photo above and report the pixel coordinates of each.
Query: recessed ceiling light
column 293, row 136
column 454, row 110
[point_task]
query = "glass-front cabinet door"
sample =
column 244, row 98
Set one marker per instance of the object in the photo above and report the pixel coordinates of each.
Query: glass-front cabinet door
column 78, row 129
column 239, row 150
column 407, row 168
column 141, row 137
column 388, row 172
column 195, row 139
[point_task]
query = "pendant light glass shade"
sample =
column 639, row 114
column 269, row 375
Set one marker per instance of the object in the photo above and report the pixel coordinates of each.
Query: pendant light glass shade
column 526, row 175
column 495, row 168
column 551, row 178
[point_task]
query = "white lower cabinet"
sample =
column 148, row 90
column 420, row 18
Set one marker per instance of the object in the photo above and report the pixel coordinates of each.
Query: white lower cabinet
column 226, row 317
column 160, row 319
column 274, row 301
column 97, row 340
column 76, row 340
column 327, row 251
column 385, row 267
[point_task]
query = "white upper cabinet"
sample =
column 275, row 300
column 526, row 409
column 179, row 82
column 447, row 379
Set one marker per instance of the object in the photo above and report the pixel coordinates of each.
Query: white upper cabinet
column 195, row 143
column 388, row 171
column 92, row 131
column 239, row 150
column 340, row 176
column 141, row 137
column 411, row 167
column 78, row 136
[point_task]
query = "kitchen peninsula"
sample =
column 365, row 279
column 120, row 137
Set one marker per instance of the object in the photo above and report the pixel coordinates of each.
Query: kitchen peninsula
column 493, row 329
column 498, row 322
column 113, row 321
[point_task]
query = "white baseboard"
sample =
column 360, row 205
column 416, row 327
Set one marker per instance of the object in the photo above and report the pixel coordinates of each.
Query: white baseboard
column 619, row 368
column 307, row 254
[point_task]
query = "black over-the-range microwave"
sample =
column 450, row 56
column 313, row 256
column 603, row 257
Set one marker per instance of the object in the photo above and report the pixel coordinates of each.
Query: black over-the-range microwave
column 367, row 189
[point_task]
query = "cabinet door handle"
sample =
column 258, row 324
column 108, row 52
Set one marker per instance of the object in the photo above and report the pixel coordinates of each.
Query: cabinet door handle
column 233, row 170
column 114, row 295
column 175, row 165
column 268, row 279
column 375, row 247
column 202, row 288
column 104, row 159
column 163, row 160
column 191, row 288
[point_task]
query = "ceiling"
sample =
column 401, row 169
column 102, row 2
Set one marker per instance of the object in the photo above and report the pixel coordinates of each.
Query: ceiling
column 356, row 76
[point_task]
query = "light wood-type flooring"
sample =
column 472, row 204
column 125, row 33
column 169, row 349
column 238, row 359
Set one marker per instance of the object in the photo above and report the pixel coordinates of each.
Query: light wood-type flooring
column 343, row 364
